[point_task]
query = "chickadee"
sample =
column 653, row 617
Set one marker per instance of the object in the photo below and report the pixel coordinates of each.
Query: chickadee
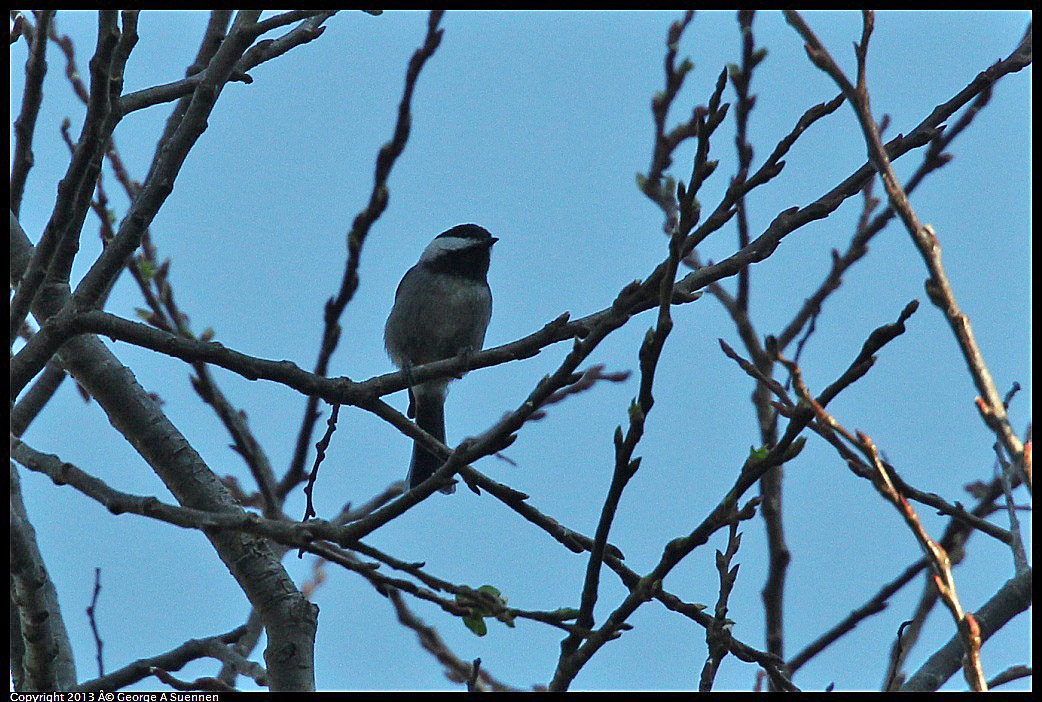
column 441, row 309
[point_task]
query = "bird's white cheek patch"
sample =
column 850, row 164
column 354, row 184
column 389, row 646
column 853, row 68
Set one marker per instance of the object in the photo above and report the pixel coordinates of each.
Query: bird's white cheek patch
column 445, row 243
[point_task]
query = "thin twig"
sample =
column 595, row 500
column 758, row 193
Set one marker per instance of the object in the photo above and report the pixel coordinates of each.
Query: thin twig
column 91, row 609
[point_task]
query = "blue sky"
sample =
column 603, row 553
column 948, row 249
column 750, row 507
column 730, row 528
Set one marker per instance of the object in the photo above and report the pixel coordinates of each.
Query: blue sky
column 534, row 126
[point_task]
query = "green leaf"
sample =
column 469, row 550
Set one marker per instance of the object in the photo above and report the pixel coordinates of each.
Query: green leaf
column 146, row 268
column 758, row 454
column 491, row 590
column 476, row 625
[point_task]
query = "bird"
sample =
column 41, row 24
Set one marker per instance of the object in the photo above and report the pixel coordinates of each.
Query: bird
column 442, row 308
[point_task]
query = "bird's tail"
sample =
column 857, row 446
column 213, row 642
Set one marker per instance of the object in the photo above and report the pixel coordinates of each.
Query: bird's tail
column 430, row 416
